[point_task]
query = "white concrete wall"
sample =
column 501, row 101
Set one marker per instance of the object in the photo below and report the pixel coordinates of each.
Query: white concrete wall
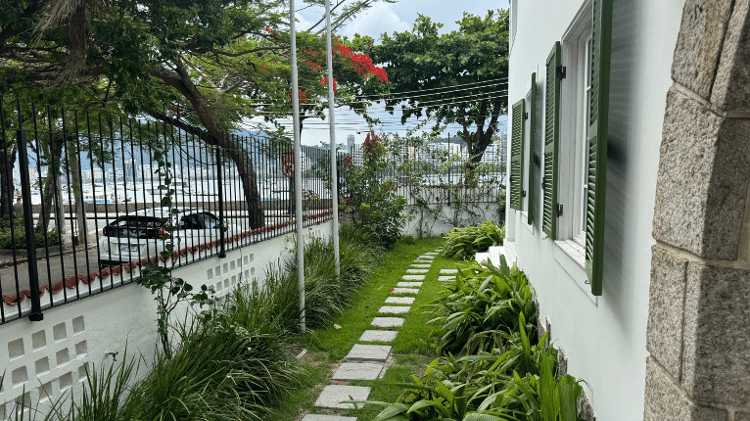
column 442, row 225
column 50, row 356
column 605, row 337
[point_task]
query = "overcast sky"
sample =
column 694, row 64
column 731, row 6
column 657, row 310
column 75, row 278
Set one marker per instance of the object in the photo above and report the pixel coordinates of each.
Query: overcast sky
column 385, row 17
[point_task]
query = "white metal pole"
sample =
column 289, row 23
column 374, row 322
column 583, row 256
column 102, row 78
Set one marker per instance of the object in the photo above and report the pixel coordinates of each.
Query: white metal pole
column 297, row 171
column 334, row 154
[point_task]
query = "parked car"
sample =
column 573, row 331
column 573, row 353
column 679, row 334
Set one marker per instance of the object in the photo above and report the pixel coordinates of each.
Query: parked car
column 138, row 235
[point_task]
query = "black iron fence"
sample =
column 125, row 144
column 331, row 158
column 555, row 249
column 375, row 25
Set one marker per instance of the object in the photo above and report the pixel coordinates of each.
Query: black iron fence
column 87, row 199
column 438, row 173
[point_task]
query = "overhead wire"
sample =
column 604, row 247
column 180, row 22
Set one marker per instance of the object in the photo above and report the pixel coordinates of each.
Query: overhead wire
column 384, row 98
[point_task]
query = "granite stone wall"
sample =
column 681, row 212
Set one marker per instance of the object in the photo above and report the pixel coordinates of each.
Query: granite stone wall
column 698, row 332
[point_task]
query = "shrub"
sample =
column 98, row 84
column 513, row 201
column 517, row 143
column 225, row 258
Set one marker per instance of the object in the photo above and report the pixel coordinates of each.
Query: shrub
column 463, row 243
column 480, row 302
column 18, row 239
column 506, row 372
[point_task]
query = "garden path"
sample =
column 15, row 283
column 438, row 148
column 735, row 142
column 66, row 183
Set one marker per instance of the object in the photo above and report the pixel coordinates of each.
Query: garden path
column 366, row 361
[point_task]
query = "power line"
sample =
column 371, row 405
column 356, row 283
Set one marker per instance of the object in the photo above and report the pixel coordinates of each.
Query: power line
column 392, row 97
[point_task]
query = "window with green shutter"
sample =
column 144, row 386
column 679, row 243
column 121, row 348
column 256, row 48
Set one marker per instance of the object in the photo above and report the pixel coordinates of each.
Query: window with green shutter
column 516, row 156
column 551, row 137
column 597, row 141
column 532, row 149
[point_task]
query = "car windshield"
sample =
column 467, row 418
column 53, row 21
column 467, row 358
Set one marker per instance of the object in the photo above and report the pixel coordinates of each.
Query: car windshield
column 138, row 222
column 136, row 226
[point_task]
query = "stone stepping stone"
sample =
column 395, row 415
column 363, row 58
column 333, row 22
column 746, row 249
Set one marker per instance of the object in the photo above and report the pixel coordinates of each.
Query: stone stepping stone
column 405, row 291
column 400, row 300
column 378, row 335
column 413, row 277
column 417, row 270
column 358, row 371
column 394, row 309
column 431, row 253
column 333, row 394
column 421, row 265
column 448, row 271
column 387, row 322
column 361, row 352
column 426, row 257
column 409, row 284
column 446, row 278
column 317, row 417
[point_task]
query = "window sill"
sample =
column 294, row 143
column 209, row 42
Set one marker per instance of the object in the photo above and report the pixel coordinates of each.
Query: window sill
column 570, row 255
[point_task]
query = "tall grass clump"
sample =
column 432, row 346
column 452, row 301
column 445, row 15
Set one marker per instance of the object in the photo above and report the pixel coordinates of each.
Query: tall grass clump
column 326, row 294
column 463, row 243
column 232, row 367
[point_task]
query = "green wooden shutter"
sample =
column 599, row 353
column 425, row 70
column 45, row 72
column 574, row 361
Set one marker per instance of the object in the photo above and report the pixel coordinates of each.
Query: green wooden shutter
column 532, row 148
column 597, row 141
column 516, row 156
column 551, row 136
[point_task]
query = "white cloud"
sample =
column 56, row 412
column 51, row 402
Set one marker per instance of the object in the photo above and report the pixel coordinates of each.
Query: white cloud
column 380, row 18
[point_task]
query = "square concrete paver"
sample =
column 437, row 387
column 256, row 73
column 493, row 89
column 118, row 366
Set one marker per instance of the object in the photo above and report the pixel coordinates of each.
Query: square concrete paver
column 405, row 291
column 409, row 284
column 446, row 278
column 394, row 309
column 413, row 277
column 421, row 265
column 361, row 352
column 448, row 271
column 333, row 394
column 378, row 335
column 318, row 417
column 387, row 322
column 417, row 270
column 399, row 300
column 358, row 371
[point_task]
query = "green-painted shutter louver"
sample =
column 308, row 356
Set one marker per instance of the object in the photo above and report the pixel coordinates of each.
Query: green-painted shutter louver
column 597, row 141
column 551, row 136
column 532, row 148
column 516, row 156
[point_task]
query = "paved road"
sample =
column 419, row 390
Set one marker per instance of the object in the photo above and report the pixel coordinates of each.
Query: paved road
column 59, row 267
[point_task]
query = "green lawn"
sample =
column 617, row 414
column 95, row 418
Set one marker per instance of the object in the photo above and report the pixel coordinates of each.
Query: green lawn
column 411, row 348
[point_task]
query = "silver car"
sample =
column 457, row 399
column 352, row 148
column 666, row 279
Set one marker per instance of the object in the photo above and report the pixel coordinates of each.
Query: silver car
column 141, row 235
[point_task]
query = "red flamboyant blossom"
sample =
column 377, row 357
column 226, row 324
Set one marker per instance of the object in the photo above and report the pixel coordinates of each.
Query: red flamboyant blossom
column 268, row 29
column 362, row 63
column 302, row 97
column 324, row 82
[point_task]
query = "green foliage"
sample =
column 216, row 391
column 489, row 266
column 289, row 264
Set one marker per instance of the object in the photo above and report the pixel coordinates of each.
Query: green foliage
column 18, row 238
column 370, row 200
column 463, row 243
column 480, row 303
column 424, row 60
column 505, row 373
column 326, row 294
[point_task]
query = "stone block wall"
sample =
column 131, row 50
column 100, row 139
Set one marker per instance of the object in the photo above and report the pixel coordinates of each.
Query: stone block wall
column 698, row 333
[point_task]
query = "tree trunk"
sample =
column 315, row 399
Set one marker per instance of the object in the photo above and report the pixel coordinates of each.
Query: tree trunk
column 214, row 134
column 7, row 186
column 75, row 175
column 50, row 185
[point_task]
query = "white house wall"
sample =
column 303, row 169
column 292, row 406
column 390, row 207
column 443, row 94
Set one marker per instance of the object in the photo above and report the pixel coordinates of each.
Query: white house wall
column 48, row 357
column 604, row 337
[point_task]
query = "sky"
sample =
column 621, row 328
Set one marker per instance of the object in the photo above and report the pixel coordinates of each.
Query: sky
column 384, row 17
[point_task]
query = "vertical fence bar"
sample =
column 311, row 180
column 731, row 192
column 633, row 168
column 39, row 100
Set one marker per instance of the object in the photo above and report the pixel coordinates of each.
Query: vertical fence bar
column 220, row 183
column 28, row 221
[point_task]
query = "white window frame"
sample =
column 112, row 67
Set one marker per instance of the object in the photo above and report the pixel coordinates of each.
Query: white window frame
column 573, row 153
